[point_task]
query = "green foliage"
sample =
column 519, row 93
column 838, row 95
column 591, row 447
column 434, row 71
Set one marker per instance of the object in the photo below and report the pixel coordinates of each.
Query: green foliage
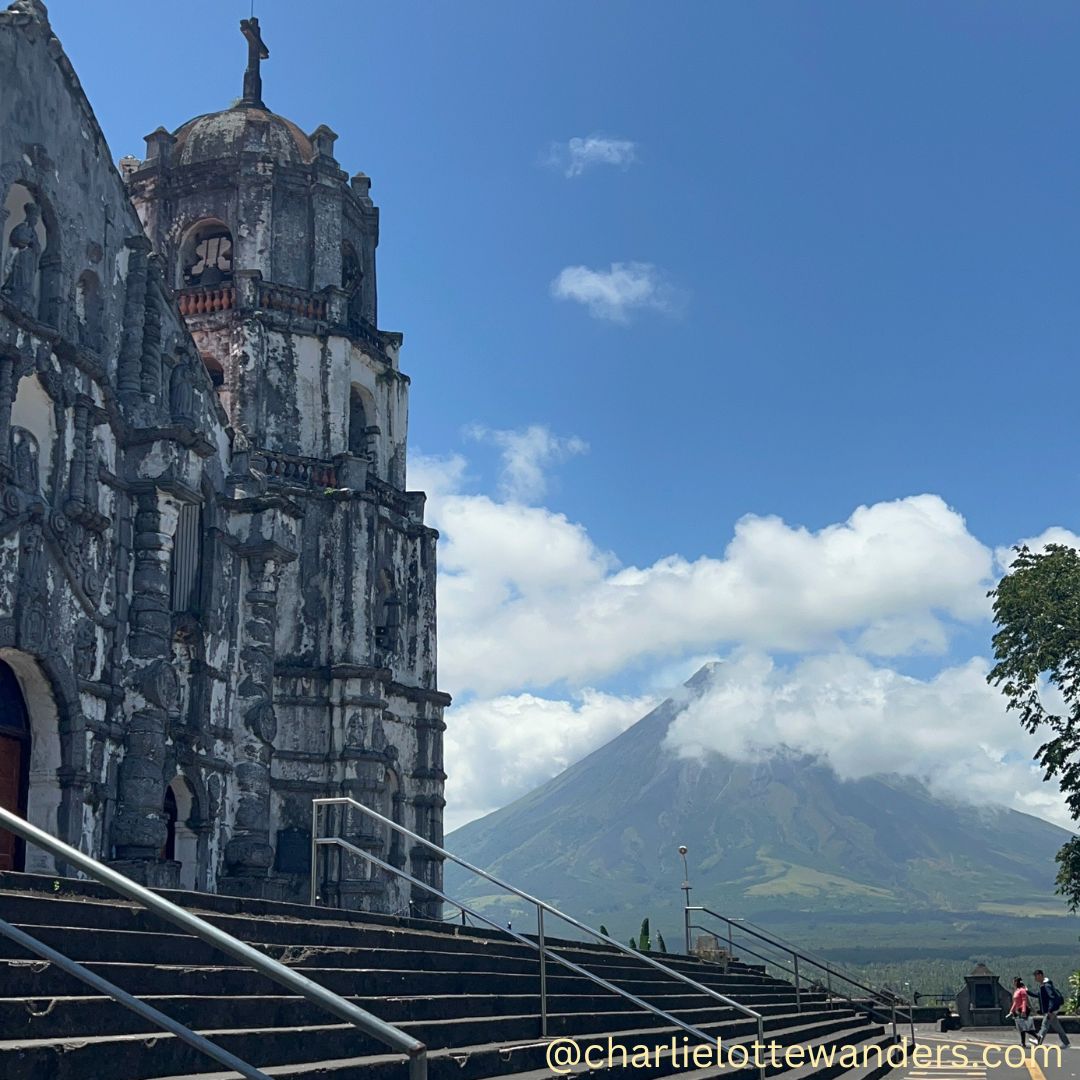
column 644, row 941
column 604, row 930
column 660, row 943
column 1068, row 875
column 1072, row 999
column 1037, row 611
column 633, row 944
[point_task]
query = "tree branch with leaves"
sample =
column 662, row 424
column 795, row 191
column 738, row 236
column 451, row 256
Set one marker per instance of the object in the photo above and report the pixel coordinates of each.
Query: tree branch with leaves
column 1037, row 644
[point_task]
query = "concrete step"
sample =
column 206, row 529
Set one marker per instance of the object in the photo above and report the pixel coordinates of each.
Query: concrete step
column 136, row 1057
column 75, row 892
column 526, row 1060
column 35, row 978
column 87, row 942
column 68, row 1016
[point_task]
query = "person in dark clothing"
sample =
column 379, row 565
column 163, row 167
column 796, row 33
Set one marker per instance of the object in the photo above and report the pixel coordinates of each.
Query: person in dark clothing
column 1050, row 1003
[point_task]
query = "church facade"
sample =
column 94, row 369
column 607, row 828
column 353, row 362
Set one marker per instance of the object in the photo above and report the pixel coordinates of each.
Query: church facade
column 217, row 594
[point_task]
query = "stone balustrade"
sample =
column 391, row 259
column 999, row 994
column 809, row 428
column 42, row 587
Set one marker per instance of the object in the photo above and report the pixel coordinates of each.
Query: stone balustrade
column 301, row 471
column 206, row 299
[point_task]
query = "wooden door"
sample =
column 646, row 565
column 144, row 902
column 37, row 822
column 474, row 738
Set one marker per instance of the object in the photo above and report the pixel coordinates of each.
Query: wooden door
column 14, row 762
column 11, row 797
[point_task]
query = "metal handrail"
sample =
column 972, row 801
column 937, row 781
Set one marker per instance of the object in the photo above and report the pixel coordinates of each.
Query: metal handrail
column 122, row 997
column 889, row 998
column 311, row 991
column 540, row 945
column 790, row 969
column 816, row 958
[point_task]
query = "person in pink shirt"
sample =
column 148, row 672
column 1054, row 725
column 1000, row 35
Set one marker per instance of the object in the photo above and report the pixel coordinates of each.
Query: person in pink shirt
column 1021, row 1012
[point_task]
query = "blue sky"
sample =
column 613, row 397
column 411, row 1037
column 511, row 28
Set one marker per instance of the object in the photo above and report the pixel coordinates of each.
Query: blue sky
column 859, row 222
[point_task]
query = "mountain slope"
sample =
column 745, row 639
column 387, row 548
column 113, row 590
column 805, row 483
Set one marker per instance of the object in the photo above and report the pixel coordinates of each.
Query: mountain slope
column 783, row 839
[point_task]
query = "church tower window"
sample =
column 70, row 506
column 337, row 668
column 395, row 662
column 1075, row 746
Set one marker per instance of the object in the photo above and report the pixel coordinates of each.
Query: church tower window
column 207, row 255
column 358, row 423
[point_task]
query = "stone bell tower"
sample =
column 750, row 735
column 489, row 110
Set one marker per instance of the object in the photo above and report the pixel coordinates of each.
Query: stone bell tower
column 269, row 249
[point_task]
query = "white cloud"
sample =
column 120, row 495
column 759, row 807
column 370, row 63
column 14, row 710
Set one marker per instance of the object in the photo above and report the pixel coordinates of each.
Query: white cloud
column 526, row 456
column 504, row 747
column 952, row 730
column 528, row 600
column 613, row 294
column 578, row 154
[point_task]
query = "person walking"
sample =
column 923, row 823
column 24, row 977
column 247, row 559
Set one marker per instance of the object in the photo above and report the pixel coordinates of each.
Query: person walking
column 1021, row 1012
column 1050, row 1003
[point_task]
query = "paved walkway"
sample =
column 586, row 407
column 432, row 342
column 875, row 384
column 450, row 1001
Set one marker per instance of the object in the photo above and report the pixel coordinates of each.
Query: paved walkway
column 980, row 1054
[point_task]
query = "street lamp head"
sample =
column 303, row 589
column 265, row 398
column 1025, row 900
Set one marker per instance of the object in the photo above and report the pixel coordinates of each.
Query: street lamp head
column 682, row 849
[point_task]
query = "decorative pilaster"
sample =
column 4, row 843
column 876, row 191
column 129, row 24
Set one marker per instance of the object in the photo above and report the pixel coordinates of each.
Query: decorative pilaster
column 129, row 373
column 77, row 483
column 249, row 853
column 150, row 367
column 139, row 828
column 7, row 394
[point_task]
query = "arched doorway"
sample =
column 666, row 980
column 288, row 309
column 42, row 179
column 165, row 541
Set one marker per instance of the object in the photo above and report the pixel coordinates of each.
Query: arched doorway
column 181, row 839
column 14, row 763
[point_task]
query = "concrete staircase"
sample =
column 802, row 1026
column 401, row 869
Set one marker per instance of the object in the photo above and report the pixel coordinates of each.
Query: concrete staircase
column 472, row 995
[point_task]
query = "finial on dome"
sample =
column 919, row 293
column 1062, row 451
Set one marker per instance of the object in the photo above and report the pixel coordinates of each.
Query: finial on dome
column 257, row 52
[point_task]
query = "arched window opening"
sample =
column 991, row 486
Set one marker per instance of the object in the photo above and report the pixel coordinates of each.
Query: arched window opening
column 88, row 310
column 207, row 255
column 181, row 840
column 14, row 763
column 352, row 281
column 358, row 423
column 214, row 369
column 387, row 614
column 26, row 259
column 169, row 850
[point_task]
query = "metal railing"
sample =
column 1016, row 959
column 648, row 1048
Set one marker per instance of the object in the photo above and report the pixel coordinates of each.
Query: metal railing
column 541, row 945
column 311, row 991
column 882, row 1002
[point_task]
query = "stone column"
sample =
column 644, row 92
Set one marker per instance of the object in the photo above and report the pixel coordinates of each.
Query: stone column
column 129, row 372
column 153, row 692
column 150, row 365
column 249, row 852
column 7, row 394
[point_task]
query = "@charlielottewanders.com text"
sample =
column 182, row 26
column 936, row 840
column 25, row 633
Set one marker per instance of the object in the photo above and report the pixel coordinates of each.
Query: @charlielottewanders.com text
column 565, row 1055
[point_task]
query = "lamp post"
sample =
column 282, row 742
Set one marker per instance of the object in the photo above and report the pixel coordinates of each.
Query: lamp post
column 686, row 897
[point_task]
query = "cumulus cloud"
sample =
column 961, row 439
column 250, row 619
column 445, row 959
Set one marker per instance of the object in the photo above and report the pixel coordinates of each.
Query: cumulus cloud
column 577, row 155
column 527, row 600
column 526, row 457
column 951, row 731
column 812, row 622
column 615, row 293
column 504, row 747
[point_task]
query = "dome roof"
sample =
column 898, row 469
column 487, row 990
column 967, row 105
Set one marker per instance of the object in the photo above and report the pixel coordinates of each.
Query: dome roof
column 243, row 129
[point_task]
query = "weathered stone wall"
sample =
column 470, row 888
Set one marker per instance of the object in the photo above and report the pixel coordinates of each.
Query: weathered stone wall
column 108, row 424
column 215, row 591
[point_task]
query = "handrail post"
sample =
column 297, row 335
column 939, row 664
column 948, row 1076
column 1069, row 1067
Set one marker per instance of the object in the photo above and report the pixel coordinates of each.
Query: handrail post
column 314, row 852
column 761, row 1047
column 543, row 972
column 686, row 925
column 894, row 1019
column 798, row 983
